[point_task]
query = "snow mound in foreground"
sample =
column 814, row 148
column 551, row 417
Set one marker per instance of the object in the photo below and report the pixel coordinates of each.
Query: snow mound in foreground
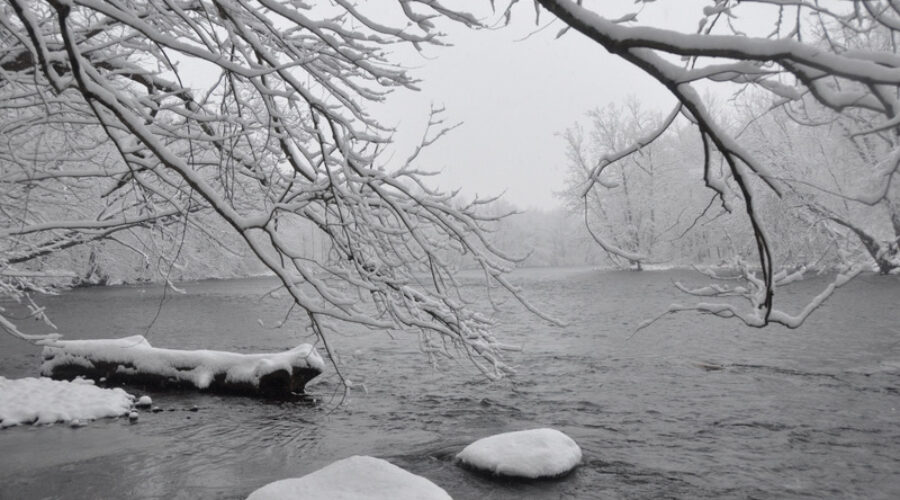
column 351, row 478
column 45, row 401
column 533, row 454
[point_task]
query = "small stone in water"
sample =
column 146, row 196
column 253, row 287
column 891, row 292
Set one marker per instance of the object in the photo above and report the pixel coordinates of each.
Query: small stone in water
column 144, row 402
column 156, row 409
column 531, row 454
column 194, row 408
column 76, row 423
column 133, row 416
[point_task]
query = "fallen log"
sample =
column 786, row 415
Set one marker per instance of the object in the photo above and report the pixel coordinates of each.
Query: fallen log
column 133, row 361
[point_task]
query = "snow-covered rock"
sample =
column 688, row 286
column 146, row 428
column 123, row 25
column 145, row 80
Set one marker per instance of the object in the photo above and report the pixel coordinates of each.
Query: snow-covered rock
column 144, row 402
column 45, row 401
column 532, row 454
column 134, row 360
column 358, row 477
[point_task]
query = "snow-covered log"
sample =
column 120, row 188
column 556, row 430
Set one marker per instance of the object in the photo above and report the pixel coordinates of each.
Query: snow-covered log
column 132, row 360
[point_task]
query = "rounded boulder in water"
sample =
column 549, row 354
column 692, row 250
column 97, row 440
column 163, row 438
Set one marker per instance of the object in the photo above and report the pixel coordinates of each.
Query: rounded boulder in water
column 358, row 477
column 531, row 454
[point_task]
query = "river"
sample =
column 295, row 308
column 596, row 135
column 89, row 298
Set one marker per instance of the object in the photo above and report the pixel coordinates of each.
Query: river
column 806, row 413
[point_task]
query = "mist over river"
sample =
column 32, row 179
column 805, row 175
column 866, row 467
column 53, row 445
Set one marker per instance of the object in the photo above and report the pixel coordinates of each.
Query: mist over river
column 693, row 407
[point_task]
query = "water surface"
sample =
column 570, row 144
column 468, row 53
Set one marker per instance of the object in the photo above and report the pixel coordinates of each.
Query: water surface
column 807, row 413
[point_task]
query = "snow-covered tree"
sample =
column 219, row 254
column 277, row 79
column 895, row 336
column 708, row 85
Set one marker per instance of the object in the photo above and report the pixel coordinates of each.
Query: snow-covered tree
column 635, row 208
column 820, row 165
column 103, row 135
column 95, row 102
column 840, row 57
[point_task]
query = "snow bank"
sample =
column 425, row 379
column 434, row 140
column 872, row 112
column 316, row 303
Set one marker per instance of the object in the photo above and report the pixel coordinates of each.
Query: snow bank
column 134, row 360
column 45, row 401
column 533, row 454
column 352, row 478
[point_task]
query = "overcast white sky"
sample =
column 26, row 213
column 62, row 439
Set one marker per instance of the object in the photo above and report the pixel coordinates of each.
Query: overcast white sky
column 514, row 96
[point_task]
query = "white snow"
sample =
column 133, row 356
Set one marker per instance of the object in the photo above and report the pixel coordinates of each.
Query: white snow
column 197, row 367
column 358, row 477
column 45, row 401
column 533, row 454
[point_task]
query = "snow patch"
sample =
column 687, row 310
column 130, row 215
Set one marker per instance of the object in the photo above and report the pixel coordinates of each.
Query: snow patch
column 358, row 477
column 533, row 454
column 46, row 401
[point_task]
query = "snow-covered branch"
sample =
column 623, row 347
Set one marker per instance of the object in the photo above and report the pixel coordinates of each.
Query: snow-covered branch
column 105, row 134
column 835, row 64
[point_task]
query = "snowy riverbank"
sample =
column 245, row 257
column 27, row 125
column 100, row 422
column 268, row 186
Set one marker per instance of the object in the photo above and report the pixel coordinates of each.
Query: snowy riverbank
column 45, row 401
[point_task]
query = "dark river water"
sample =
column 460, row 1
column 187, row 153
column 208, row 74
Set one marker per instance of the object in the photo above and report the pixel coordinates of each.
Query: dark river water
column 807, row 413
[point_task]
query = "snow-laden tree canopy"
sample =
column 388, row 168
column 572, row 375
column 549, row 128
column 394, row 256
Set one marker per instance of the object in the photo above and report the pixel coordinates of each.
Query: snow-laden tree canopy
column 102, row 139
column 821, row 63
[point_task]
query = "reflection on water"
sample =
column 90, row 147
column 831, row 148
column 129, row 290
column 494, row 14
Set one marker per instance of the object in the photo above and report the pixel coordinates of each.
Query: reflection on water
column 691, row 408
